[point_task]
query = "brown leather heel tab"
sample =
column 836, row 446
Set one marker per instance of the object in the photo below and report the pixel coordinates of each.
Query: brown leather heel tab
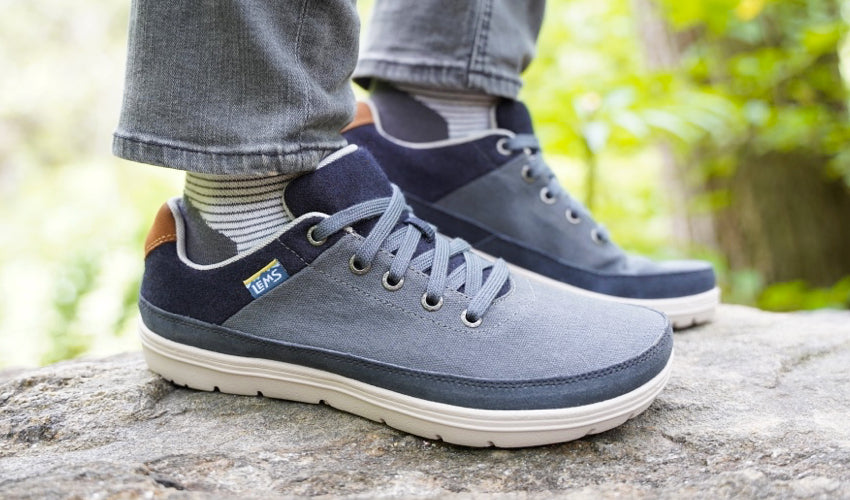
column 363, row 116
column 163, row 230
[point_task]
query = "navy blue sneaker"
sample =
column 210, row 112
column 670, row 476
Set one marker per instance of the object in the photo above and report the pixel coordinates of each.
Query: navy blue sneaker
column 359, row 304
column 494, row 190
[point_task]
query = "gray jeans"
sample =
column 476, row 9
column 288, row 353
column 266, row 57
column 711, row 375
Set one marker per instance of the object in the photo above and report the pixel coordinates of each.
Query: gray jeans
column 262, row 86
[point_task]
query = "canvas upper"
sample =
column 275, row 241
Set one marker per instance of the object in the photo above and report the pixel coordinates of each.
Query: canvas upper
column 297, row 299
column 494, row 190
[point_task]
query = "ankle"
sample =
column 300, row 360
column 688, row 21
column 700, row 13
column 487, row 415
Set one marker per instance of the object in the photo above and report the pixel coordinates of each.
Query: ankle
column 421, row 114
column 226, row 215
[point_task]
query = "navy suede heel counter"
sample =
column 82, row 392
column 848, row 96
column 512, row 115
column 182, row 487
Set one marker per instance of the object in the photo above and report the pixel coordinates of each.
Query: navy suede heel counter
column 209, row 296
column 213, row 295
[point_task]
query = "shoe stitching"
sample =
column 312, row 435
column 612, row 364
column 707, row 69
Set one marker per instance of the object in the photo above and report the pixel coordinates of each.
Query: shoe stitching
column 441, row 68
column 189, row 149
column 161, row 239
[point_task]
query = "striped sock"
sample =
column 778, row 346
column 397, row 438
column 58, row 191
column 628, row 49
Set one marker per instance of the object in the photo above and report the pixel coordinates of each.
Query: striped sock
column 464, row 113
column 244, row 209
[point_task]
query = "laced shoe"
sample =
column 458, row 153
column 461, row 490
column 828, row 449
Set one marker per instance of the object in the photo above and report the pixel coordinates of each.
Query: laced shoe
column 495, row 190
column 361, row 305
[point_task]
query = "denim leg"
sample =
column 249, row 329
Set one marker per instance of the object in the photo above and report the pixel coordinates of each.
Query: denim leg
column 237, row 86
column 481, row 45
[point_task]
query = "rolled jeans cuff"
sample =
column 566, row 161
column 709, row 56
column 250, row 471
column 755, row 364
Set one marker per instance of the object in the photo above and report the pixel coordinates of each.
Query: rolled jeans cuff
column 274, row 159
column 439, row 76
column 478, row 47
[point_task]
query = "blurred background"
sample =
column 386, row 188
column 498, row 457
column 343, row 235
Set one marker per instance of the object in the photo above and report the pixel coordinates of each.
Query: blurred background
column 705, row 128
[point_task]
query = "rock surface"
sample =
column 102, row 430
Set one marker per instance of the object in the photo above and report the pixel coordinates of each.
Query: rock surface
column 758, row 406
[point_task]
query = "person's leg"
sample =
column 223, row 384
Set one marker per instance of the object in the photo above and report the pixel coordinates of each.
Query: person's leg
column 250, row 87
column 454, row 58
column 241, row 95
column 478, row 47
column 473, row 167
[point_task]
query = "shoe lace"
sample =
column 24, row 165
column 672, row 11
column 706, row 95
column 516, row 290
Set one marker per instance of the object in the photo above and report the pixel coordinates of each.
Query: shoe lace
column 538, row 169
column 398, row 231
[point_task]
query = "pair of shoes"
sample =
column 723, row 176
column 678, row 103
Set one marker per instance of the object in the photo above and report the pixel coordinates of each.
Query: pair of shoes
column 360, row 304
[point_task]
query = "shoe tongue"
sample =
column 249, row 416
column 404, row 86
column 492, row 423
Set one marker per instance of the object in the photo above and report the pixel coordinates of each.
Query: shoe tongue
column 514, row 116
column 340, row 182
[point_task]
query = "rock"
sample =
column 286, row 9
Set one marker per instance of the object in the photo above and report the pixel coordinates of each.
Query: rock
column 758, row 406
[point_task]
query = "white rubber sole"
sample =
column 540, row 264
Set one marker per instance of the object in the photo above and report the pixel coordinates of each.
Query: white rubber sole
column 684, row 312
column 209, row 371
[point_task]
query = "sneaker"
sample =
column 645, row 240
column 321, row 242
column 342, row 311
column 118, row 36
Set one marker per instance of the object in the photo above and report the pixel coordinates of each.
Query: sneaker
column 362, row 306
column 494, row 190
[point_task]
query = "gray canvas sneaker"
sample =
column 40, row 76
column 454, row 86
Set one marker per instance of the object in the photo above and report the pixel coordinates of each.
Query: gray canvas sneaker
column 360, row 305
column 494, row 190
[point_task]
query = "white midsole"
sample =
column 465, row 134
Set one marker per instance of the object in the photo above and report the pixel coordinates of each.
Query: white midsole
column 683, row 311
column 208, row 370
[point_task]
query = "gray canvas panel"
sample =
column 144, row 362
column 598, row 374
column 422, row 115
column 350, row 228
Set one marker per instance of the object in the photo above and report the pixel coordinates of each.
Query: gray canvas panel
column 534, row 331
column 503, row 202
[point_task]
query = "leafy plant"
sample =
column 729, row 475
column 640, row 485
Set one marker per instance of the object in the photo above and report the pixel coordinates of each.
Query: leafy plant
column 75, row 281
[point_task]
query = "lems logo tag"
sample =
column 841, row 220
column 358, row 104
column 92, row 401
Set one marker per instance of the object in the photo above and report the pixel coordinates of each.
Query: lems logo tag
column 265, row 279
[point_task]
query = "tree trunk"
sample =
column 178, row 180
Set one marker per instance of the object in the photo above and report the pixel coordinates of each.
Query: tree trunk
column 662, row 49
column 785, row 219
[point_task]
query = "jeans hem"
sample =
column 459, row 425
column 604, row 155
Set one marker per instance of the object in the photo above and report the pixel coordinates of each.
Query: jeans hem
column 441, row 77
column 300, row 159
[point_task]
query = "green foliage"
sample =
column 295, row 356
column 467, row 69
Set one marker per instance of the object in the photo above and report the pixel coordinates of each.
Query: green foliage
column 796, row 295
column 586, row 86
column 74, row 282
column 772, row 68
column 755, row 74
column 72, row 218
column 749, row 77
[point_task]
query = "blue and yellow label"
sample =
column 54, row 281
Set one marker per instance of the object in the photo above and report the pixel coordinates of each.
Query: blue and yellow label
column 265, row 279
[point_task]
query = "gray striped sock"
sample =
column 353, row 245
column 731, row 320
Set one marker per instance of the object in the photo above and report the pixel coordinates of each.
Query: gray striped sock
column 245, row 209
column 464, row 113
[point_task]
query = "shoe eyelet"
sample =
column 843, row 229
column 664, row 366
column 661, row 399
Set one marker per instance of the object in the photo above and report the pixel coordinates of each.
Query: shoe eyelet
column 500, row 147
column 526, row 174
column 391, row 286
column 546, row 197
column 313, row 241
column 572, row 217
column 594, row 235
column 352, row 266
column 468, row 322
column 429, row 306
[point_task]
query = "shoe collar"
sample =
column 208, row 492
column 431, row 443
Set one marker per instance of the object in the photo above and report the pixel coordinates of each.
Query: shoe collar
column 494, row 132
